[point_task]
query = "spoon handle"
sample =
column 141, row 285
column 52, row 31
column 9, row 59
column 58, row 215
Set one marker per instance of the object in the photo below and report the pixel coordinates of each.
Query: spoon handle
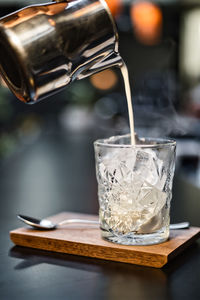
column 182, row 225
column 71, row 221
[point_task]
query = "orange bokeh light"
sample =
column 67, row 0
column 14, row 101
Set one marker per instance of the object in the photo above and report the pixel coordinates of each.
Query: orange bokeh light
column 104, row 80
column 146, row 18
column 115, row 7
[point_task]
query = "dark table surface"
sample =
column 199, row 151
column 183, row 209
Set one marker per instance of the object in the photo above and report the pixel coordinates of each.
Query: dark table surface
column 55, row 173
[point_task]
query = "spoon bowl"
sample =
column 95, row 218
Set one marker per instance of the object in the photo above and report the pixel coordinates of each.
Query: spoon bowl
column 37, row 223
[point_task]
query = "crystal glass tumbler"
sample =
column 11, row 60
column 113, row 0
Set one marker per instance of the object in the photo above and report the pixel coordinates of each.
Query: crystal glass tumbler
column 134, row 189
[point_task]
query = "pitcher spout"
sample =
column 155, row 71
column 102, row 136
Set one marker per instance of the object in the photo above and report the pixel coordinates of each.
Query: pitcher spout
column 112, row 60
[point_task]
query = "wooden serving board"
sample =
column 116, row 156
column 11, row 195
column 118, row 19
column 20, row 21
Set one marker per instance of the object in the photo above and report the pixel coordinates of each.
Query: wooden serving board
column 85, row 240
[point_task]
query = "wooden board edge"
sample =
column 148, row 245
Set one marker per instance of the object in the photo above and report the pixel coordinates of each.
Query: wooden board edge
column 184, row 245
column 88, row 250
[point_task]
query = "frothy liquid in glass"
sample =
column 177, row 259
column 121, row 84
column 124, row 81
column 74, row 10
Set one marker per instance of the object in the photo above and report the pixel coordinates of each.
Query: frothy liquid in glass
column 124, row 72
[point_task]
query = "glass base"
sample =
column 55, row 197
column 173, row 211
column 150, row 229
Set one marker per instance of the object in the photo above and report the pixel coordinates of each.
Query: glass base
column 137, row 239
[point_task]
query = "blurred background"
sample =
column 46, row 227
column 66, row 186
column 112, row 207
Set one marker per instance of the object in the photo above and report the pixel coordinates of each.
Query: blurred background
column 46, row 150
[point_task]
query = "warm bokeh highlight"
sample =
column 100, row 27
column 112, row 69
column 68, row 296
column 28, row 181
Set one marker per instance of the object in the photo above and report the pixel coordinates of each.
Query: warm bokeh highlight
column 104, row 80
column 146, row 18
column 115, row 7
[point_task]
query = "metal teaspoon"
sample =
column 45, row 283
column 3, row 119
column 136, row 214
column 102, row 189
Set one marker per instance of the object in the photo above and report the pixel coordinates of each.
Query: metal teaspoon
column 48, row 225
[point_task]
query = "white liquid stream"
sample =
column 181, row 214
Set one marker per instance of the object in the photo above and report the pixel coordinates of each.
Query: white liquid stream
column 125, row 76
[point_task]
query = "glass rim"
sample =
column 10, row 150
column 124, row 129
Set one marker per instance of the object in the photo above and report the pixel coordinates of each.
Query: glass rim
column 159, row 142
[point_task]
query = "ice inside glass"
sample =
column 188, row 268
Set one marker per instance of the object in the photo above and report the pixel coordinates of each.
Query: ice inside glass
column 134, row 189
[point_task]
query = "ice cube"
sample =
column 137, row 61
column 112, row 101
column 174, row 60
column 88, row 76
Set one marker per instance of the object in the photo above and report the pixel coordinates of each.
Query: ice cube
column 155, row 222
column 154, row 206
column 117, row 166
column 153, row 200
column 148, row 166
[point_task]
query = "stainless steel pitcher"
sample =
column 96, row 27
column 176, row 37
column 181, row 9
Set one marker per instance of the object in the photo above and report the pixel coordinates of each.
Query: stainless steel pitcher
column 45, row 47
